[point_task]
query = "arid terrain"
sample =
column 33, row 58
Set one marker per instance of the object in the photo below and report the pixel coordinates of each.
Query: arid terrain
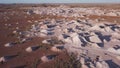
column 59, row 35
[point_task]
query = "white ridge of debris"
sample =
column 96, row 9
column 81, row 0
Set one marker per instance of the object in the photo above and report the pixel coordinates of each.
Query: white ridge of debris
column 74, row 12
column 86, row 38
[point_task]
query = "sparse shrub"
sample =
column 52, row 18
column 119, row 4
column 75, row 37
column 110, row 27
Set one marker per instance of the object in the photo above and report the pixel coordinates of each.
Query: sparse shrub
column 56, row 41
column 44, row 46
column 35, row 63
column 71, row 62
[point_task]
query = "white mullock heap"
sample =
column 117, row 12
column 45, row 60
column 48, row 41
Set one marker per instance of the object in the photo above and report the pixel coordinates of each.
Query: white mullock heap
column 82, row 37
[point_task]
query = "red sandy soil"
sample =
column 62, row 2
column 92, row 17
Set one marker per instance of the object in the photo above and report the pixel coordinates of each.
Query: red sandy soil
column 23, row 59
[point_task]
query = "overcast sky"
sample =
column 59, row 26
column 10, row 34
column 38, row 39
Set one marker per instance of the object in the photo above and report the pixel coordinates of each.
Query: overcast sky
column 59, row 1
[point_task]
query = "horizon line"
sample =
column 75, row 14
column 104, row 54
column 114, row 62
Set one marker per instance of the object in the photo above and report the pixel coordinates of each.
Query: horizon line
column 69, row 3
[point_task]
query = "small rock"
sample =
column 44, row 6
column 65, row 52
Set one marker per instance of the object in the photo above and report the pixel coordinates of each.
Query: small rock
column 42, row 35
column 28, row 35
column 98, row 65
column 108, row 29
column 97, row 28
column 48, row 41
column 115, row 40
column 75, row 39
column 113, row 50
column 44, row 27
column 57, row 48
column 17, row 28
column 116, row 35
column 111, row 14
column 6, row 58
column 68, row 40
column 95, row 45
column 30, row 12
column 44, row 31
column 118, row 57
column 102, row 64
column 105, row 41
column 9, row 44
column 31, row 49
column 95, row 39
column 82, row 60
column 105, row 65
column 3, row 59
column 23, row 40
column 84, row 66
column 14, row 32
column 48, row 58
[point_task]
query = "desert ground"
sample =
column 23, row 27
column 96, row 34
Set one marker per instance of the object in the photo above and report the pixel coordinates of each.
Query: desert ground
column 59, row 35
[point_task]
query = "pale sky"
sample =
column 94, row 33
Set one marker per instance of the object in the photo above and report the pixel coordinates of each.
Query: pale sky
column 59, row 1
